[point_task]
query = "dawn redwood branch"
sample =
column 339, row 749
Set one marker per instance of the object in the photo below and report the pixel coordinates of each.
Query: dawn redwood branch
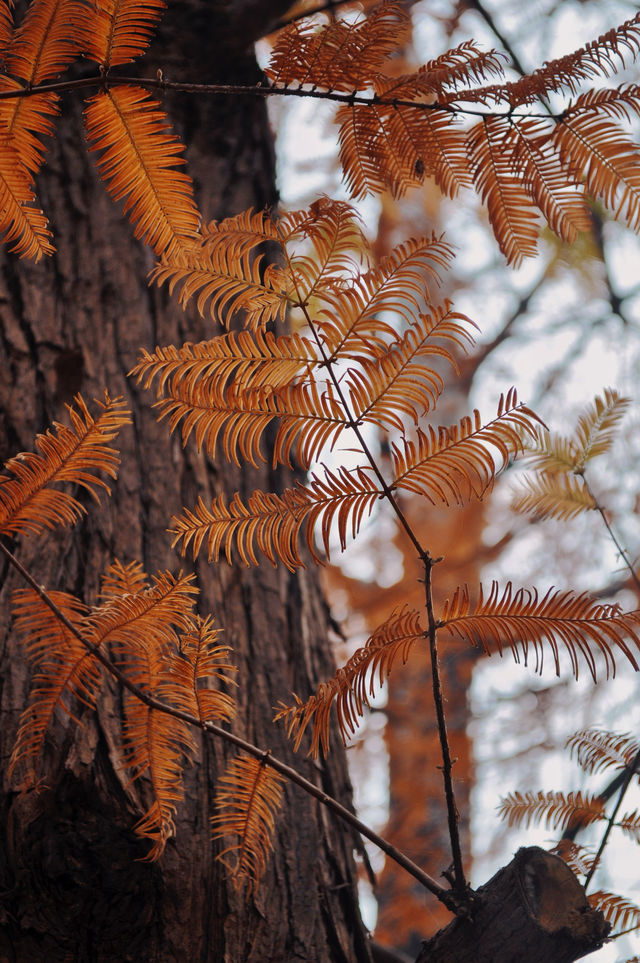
column 616, row 301
column 260, row 89
column 354, row 425
column 264, row 755
column 612, row 535
column 623, row 779
column 495, row 30
column 459, row 883
column 627, row 776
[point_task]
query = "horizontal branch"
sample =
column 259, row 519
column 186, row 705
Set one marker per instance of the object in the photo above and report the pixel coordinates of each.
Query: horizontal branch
column 256, row 90
column 264, row 755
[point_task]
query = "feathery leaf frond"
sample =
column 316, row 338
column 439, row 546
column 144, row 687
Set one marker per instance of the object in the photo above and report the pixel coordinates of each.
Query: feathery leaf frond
column 550, row 453
column 249, row 798
column 521, row 620
column 509, row 206
column 118, row 31
column 559, row 198
column 45, row 43
column 456, row 463
column 308, row 419
column 352, row 326
column 199, row 659
column 152, row 616
column 225, row 271
column 394, row 146
column 256, row 359
column 594, row 148
column 338, row 55
column 334, row 230
column 244, row 231
column 375, row 156
column 141, row 626
column 622, row 102
column 462, row 65
column 24, row 121
column 48, row 40
column 353, row 685
column 568, row 72
column 552, row 496
column 553, row 454
column 75, row 454
column 154, row 745
column 397, row 381
column 65, row 673
column 142, row 629
column 578, row 858
column 122, row 579
column 597, row 427
column 557, row 809
column 21, row 224
column 272, row 523
column 557, row 490
column 629, row 824
column 6, row 24
column 225, row 281
column 268, row 522
column 597, row 750
column 620, row 912
column 138, row 162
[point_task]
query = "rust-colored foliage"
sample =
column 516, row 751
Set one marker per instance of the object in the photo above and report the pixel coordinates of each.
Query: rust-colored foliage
column 522, row 167
column 248, row 800
column 74, row 454
column 370, row 356
column 138, row 160
column 145, row 626
column 620, row 912
column 521, row 620
column 558, row 488
column 395, row 130
column 213, row 393
column 597, row 751
column 555, row 808
column 354, row 684
column 117, row 31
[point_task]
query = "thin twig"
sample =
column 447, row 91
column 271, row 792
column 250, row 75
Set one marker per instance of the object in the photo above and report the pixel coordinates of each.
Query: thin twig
column 460, row 886
column 631, row 771
column 612, row 535
column 495, row 30
column 459, row 882
column 265, row 756
column 257, row 90
column 352, row 423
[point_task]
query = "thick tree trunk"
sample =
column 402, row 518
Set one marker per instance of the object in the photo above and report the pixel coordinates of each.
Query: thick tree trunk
column 72, row 888
column 534, row 909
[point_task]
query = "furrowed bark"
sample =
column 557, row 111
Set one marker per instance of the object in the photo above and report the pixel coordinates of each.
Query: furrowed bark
column 72, row 885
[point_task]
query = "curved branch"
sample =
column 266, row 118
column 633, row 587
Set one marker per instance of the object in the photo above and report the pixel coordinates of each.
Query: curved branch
column 264, row 755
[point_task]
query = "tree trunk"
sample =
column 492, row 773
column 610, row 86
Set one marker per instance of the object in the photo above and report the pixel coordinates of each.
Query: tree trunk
column 73, row 887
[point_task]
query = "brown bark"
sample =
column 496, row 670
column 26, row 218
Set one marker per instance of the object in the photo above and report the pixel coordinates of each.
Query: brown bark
column 533, row 909
column 71, row 886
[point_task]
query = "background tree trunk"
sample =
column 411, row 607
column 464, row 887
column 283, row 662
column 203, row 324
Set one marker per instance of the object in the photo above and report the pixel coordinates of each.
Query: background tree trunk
column 72, row 887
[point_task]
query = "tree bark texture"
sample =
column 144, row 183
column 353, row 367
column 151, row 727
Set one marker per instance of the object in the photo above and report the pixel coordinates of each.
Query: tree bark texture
column 532, row 910
column 73, row 886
